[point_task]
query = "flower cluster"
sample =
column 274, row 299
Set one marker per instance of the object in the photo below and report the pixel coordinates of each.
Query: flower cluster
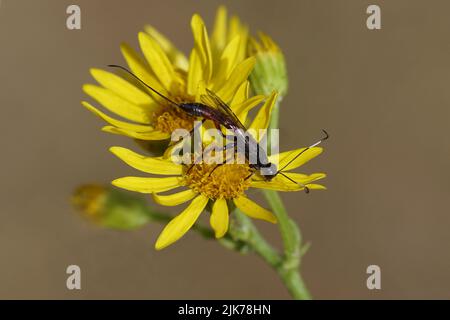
column 223, row 64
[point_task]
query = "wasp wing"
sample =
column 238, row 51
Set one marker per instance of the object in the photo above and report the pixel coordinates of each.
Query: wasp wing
column 214, row 100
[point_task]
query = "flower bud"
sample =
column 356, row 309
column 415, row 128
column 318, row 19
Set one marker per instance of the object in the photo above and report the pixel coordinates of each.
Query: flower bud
column 270, row 71
column 110, row 208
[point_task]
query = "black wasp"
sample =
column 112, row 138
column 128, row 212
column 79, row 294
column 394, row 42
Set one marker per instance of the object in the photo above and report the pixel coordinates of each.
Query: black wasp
column 222, row 115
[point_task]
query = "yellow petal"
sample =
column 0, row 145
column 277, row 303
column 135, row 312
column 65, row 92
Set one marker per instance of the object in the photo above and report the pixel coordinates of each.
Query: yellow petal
column 176, row 56
column 227, row 62
column 172, row 150
column 174, row 199
column 276, row 185
column 147, row 164
column 115, row 122
column 254, row 46
column 219, row 34
column 121, row 87
column 253, row 210
column 179, row 225
column 141, row 70
column 240, row 96
column 237, row 28
column 280, row 183
column 268, row 43
column 116, row 104
column 219, row 217
column 262, row 119
column 148, row 135
column 147, row 185
column 314, row 186
column 239, row 74
column 243, row 109
column 288, row 156
column 158, row 60
column 195, row 73
column 202, row 46
column 302, row 178
column 201, row 90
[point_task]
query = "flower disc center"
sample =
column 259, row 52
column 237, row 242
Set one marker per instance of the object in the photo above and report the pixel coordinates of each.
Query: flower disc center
column 226, row 181
column 170, row 119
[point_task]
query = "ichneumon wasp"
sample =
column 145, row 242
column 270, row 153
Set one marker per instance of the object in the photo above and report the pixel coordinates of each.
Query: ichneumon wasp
column 214, row 109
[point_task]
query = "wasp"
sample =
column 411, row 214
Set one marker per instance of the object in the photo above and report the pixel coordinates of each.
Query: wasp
column 213, row 108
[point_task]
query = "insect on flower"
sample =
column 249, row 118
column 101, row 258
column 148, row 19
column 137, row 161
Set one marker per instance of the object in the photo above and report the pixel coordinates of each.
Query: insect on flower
column 222, row 115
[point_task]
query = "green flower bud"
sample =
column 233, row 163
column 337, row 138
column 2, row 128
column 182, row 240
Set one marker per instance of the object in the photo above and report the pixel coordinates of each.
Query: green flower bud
column 270, row 71
column 111, row 208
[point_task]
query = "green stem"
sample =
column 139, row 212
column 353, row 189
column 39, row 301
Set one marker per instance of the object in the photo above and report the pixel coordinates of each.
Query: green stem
column 291, row 236
column 246, row 232
column 295, row 285
column 287, row 271
column 288, row 229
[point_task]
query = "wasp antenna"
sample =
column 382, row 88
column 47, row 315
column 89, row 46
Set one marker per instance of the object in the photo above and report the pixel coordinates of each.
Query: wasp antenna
column 300, row 184
column 141, row 81
column 326, row 135
column 320, row 141
column 306, row 149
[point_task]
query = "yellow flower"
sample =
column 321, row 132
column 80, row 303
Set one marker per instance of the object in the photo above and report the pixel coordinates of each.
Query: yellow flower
column 219, row 65
column 225, row 185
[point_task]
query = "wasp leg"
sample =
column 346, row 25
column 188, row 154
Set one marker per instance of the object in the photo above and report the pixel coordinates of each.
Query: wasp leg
column 220, row 164
column 193, row 164
column 189, row 169
column 251, row 174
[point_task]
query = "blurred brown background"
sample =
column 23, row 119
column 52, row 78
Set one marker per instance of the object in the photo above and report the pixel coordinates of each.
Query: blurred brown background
column 383, row 95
